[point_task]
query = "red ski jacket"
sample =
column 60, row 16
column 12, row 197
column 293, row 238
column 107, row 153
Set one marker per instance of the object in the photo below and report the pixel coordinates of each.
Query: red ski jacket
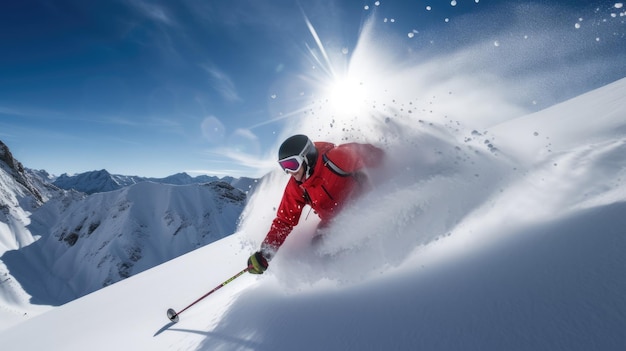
column 337, row 177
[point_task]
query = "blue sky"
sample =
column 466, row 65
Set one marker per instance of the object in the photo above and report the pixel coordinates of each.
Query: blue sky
column 154, row 88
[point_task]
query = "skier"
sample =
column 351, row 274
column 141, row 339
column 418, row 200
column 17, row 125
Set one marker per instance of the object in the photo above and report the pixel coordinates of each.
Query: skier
column 323, row 176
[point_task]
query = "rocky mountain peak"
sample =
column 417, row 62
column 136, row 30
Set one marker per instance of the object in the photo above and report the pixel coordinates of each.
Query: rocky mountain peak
column 16, row 170
column 7, row 157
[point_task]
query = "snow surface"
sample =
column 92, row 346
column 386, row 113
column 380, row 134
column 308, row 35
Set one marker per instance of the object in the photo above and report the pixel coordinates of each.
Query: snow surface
column 512, row 244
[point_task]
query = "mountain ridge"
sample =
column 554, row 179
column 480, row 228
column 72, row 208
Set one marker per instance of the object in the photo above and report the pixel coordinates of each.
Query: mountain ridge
column 101, row 181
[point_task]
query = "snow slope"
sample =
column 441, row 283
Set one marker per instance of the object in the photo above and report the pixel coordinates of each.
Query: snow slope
column 504, row 238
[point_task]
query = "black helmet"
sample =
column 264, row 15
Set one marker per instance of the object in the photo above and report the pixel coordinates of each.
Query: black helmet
column 298, row 146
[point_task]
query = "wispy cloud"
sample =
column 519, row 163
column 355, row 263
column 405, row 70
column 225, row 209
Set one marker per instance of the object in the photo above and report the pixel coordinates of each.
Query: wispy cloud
column 222, row 83
column 258, row 163
column 162, row 34
column 30, row 112
column 240, row 150
column 134, row 122
column 154, row 12
column 246, row 13
column 12, row 112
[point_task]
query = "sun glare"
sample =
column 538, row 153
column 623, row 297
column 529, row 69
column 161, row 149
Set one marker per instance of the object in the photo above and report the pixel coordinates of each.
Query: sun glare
column 341, row 85
column 346, row 95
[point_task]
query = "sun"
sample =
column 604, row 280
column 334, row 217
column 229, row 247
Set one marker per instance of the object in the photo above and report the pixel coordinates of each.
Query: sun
column 346, row 95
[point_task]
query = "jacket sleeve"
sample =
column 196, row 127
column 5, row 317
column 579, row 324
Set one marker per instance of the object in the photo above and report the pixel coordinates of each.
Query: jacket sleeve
column 352, row 157
column 287, row 217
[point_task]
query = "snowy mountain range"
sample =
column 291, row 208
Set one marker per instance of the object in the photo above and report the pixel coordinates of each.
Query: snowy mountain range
column 57, row 245
column 102, row 180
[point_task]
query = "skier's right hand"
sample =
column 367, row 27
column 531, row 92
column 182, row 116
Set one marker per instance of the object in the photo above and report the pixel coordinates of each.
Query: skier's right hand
column 257, row 264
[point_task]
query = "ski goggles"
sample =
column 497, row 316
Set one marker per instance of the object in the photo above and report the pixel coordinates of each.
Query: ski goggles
column 293, row 163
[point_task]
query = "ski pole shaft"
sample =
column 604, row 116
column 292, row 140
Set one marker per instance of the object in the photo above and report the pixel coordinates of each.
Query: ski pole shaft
column 173, row 315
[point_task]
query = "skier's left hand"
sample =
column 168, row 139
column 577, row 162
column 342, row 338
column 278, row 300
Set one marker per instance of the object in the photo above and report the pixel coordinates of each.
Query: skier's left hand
column 257, row 264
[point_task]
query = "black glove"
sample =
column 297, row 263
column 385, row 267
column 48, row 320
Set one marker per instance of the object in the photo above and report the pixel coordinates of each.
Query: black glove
column 257, row 264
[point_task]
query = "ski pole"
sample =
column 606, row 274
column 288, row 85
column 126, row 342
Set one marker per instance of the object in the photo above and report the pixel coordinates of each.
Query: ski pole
column 173, row 315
